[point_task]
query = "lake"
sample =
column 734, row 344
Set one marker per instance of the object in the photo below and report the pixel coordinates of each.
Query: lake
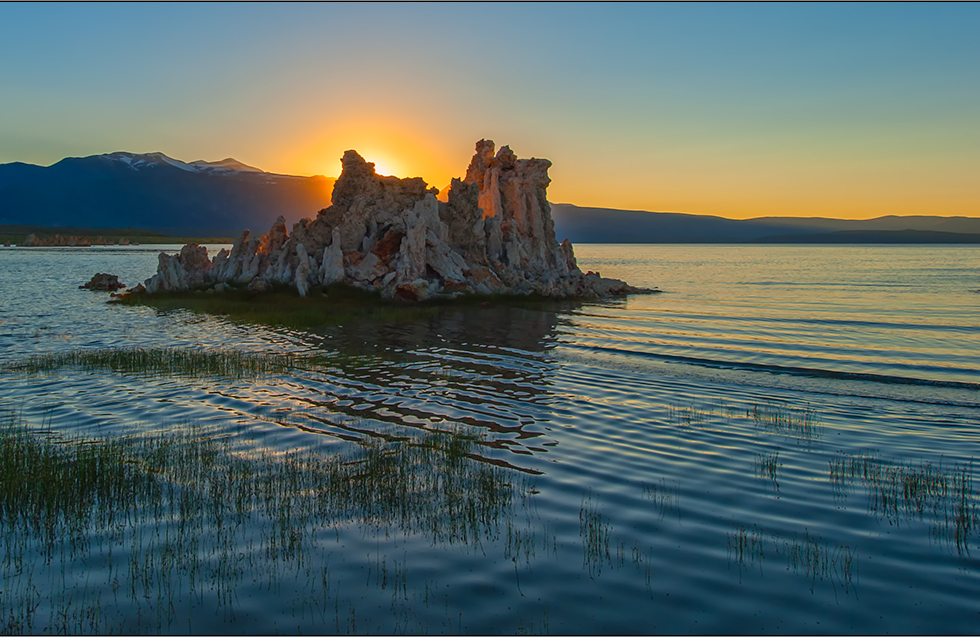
column 781, row 442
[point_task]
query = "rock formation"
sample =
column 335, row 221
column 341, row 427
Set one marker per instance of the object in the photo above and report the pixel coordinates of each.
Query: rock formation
column 493, row 235
column 104, row 282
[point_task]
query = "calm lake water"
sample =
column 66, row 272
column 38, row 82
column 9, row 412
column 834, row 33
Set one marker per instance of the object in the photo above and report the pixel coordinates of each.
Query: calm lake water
column 781, row 442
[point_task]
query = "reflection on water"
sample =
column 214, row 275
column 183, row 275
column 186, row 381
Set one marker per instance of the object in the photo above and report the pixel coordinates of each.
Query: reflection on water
column 806, row 556
column 484, row 368
column 943, row 496
column 186, row 519
column 645, row 494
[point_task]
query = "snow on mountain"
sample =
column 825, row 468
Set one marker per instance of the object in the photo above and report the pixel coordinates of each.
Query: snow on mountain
column 228, row 166
column 156, row 192
column 225, row 164
column 147, row 160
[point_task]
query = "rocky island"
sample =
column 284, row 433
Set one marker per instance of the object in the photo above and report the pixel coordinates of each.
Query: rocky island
column 494, row 235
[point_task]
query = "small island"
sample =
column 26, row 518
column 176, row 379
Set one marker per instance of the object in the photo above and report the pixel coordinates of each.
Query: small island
column 392, row 236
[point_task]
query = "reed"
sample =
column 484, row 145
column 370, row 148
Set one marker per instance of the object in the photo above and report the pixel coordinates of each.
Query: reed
column 594, row 531
column 903, row 492
column 815, row 559
column 181, row 362
column 190, row 515
column 696, row 414
column 663, row 497
column 745, row 545
column 777, row 417
column 773, row 416
column 807, row 556
column 766, row 466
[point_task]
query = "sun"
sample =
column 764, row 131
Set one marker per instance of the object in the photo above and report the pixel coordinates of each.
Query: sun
column 382, row 166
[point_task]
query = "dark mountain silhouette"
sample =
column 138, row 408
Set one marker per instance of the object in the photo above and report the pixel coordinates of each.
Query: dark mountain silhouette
column 156, row 192
column 969, row 225
column 607, row 225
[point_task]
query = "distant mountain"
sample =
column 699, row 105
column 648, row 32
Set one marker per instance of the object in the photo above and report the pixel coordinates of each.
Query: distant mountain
column 875, row 236
column 888, row 223
column 608, row 225
column 228, row 164
column 155, row 192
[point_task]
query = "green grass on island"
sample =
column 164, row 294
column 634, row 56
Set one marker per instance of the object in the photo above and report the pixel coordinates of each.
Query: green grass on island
column 331, row 305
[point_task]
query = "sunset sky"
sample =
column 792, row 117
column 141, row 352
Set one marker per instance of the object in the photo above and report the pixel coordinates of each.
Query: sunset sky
column 840, row 110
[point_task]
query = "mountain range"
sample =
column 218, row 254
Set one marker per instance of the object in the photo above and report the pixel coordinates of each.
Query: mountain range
column 607, row 225
column 154, row 192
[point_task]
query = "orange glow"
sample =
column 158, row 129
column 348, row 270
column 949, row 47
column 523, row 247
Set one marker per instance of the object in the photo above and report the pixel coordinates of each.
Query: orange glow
column 384, row 167
column 395, row 150
column 705, row 182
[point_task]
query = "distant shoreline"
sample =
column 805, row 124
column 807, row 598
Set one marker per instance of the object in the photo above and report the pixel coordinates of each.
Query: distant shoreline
column 892, row 237
column 81, row 237
column 15, row 235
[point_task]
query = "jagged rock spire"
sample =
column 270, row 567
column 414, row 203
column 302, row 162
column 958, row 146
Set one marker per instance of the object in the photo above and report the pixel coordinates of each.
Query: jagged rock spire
column 493, row 235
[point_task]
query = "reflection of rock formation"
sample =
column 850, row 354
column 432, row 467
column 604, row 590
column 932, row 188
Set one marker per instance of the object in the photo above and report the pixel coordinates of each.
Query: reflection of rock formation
column 494, row 234
column 515, row 329
column 483, row 367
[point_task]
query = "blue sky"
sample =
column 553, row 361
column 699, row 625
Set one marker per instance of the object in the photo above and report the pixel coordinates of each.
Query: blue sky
column 740, row 110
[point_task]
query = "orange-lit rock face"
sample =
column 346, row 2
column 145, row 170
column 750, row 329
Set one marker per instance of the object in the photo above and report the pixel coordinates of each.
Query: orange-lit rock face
column 359, row 184
column 492, row 234
column 514, row 192
column 504, row 181
column 275, row 238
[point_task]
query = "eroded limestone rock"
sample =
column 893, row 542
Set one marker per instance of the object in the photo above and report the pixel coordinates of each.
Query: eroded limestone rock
column 493, row 234
column 103, row 282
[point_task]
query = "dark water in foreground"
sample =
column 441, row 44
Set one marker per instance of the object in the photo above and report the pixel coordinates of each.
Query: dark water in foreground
column 781, row 442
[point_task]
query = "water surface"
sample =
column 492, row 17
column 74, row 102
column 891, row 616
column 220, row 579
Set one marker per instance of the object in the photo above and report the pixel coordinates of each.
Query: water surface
column 694, row 458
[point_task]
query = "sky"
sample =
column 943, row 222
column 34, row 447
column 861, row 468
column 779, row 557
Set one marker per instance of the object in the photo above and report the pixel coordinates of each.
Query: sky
column 736, row 110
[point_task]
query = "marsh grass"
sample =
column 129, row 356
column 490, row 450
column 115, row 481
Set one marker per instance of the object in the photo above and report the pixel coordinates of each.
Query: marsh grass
column 815, row 559
column 687, row 415
column 696, row 414
column 905, row 492
column 766, row 466
column 183, row 519
column 664, row 498
column 807, row 556
column 182, row 362
column 773, row 416
column 521, row 543
column 594, row 530
column 780, row 418
column 745, row 545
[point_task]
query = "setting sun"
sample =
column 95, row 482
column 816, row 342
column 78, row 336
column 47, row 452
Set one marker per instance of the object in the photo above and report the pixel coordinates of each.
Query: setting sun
column 384, row 167
column 396, row 148
column 489, row 317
